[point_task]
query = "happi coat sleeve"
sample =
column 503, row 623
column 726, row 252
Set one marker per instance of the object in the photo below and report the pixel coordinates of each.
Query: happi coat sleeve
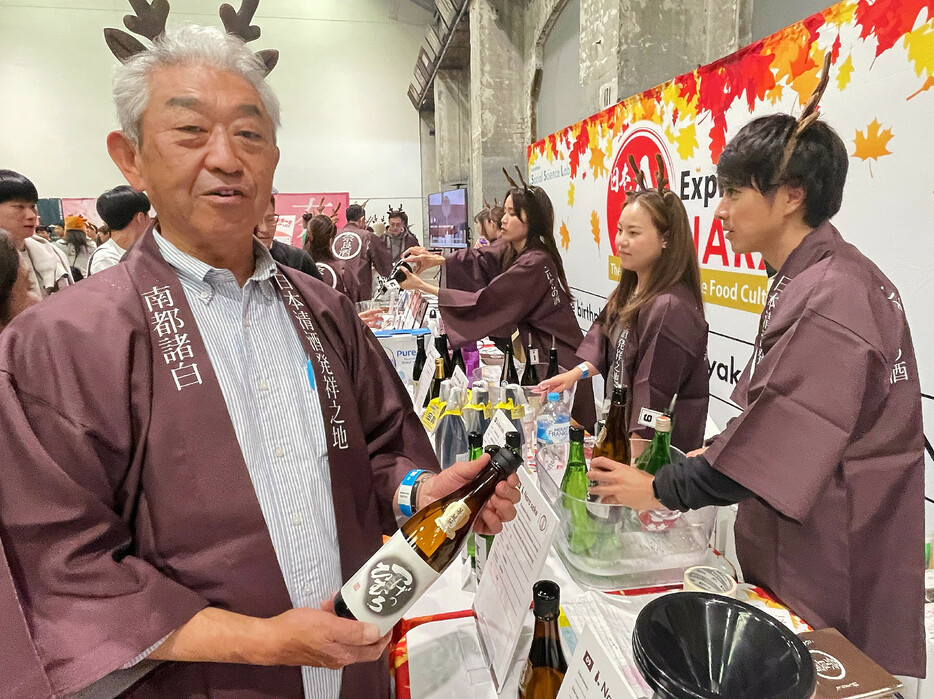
column 378, row 253
column 595, row 347
column 497, row 308
column 830, row 441
column 68, row 465
column 670, row 357
column 471, row 269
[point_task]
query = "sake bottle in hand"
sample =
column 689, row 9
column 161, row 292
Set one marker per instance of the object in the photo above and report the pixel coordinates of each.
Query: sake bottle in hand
column 387, row 585
column 545, row 667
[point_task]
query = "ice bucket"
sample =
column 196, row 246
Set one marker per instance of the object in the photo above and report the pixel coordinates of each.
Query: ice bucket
column 612, row 547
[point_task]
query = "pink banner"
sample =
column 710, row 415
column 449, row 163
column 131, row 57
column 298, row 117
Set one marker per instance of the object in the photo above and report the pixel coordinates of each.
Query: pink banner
column 290, row 208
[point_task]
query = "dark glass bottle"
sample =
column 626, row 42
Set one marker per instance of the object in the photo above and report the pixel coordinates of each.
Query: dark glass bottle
column 514, row 442
column 387, row 585
column 613, row 441
column 553, row 369
column 420, row 358
column 581, row 532
column 435, row 390
column 509, row 374
column 530, row 374
column 458, row 361
column 546, row 666
column 441, row 344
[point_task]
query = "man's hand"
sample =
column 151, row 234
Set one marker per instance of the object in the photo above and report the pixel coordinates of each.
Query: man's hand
column 696, row 452
column 620, row 484
column 501, row 507
column 319, row 638
column 300, row 636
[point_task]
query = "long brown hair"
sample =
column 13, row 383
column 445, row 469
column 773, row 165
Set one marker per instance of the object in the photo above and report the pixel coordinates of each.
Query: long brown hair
column 539, row 215
column 321, row 231
column 677, row 263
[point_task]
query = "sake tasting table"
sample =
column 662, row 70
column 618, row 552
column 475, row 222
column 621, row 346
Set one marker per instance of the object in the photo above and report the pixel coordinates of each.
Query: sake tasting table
column 445, row 660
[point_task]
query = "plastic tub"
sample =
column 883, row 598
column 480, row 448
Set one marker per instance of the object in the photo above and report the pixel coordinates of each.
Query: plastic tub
column 617, row 547
column 695, row 645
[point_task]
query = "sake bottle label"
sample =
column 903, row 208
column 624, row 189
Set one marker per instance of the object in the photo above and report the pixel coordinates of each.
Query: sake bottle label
column 384, row 588
column 453, row 518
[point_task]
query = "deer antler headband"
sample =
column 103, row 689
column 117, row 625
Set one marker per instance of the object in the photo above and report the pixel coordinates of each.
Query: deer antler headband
column 149, row 22
column 660, row 179
column 808, row 117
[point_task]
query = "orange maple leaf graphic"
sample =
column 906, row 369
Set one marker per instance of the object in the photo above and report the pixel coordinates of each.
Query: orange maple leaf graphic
column 595, row 227
column 597, row 157
column 873, row 144
column 565, row 236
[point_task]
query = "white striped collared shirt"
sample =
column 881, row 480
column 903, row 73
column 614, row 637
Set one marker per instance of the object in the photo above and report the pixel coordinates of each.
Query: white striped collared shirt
column 262, row 370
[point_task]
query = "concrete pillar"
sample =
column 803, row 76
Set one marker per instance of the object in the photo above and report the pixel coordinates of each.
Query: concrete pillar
column 452, row 126
column 636, row 44
column 499, row 92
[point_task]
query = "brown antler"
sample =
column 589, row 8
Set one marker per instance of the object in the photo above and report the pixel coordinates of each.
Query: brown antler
column 511, row 181
column 660, row 179
column 334, row 215
column 640, row 178
column 808, row 116
column 238, row 22
column 521, row 178
column 149, row 22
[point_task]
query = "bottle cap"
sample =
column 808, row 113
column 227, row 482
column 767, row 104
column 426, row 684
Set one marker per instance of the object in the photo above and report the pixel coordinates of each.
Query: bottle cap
column 506, row 459
column 576, row 434
column 513, row 440
column 554, row 397
column 663, row 424
column 546, row 599
column 474, row 440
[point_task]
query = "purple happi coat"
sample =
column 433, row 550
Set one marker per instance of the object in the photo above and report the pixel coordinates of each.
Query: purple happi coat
column 125, row 502
column 481, row 299
column 830, row 440
column 360, row 251
column 661, row 353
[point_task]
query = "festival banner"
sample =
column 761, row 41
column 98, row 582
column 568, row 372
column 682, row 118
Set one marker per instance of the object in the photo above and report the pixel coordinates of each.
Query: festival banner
column 880, row 101
column 290, row 207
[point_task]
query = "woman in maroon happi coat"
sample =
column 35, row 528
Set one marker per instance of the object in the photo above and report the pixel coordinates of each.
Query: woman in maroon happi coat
column 517, row 282
column 652, row 336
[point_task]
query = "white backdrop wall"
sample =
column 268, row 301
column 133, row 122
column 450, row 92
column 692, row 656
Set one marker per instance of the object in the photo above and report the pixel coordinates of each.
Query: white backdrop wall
column 342, row 77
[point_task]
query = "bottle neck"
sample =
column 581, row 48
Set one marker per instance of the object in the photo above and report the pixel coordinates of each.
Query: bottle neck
column 576, row 455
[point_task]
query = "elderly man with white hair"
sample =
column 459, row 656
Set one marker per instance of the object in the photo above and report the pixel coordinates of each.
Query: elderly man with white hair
column 177, row 519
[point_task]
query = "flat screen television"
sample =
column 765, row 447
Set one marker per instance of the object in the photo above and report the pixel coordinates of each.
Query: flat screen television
column 447, row 219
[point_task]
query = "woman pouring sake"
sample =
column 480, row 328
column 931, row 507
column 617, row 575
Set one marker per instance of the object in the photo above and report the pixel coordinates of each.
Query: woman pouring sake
column 519, row 282
column 651, row 336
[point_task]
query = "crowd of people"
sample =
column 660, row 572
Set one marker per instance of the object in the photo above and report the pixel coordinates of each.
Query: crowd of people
column 176, row 519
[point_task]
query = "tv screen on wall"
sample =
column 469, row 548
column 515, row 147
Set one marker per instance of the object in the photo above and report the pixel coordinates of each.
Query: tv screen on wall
column 447, row 219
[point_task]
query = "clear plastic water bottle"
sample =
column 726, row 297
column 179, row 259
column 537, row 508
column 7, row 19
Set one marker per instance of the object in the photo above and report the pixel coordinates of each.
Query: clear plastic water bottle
column 553, row 422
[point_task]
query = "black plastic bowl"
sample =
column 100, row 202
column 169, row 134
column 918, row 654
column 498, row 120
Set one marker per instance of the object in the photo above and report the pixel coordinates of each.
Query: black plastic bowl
column 694, row 645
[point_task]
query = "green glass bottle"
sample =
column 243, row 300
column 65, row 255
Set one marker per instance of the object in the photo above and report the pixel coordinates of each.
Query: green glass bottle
column 581, row 531
column 657, row 453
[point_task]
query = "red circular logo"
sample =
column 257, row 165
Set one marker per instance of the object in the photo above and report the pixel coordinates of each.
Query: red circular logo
column 642, row 143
